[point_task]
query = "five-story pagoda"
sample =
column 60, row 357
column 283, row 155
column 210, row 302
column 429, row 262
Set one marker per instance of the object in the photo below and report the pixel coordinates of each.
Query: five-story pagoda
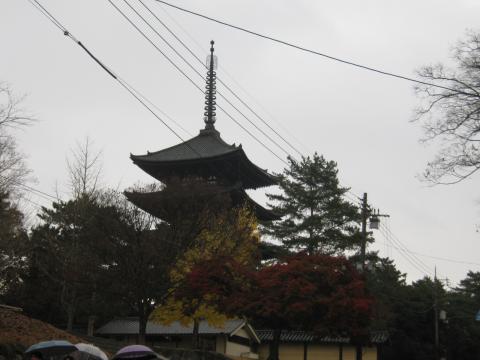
column 206, row 158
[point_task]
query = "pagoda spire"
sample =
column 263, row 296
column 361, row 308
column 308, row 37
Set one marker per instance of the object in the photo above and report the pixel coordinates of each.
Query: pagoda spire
column 210, row 91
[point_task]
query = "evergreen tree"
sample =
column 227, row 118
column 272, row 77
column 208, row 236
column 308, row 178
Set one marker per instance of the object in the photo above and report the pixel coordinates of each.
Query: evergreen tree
column 12, row 240
column 70, row 247
column 315, row 215
column 461, row 332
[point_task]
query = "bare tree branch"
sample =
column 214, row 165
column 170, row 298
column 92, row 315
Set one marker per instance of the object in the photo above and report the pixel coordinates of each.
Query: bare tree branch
column 13, row 170
column 11, row 112
column 453, row 117
column 85, row 169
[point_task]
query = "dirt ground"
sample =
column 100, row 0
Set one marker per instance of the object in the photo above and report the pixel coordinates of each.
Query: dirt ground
column 19, row 329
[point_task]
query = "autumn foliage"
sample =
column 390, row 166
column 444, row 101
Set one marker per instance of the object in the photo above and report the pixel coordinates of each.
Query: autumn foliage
column 321, row 293
column 231, row 232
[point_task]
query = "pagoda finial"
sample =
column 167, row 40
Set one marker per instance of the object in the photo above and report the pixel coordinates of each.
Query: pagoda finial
column 210, row 90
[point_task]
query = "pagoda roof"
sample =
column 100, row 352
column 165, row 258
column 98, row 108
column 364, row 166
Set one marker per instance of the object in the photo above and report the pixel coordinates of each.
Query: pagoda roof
column 204, row 155
column 157, row 202
column 206, row 145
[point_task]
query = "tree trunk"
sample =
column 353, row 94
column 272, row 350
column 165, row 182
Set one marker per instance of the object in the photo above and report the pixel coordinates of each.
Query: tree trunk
column 311, row 247
column 91, row 325
column 142, row 324
column 91, row 317
column 275, row 345
column 195, row 334
column 71, row 310
column 70, row 316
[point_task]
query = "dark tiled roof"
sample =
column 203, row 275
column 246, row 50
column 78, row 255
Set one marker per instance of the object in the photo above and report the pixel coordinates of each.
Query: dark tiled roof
column 130, row 326
column 205, row 155
column 156, row 203
column 299, row 336
column 207, row 144
column 377, row 337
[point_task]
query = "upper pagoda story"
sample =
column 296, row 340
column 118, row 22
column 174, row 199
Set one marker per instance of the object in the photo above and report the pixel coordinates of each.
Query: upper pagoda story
column 206, row 155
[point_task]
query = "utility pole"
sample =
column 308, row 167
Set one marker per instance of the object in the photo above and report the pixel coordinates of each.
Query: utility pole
column 374, row 217
column 365, row 214
column 435, row 314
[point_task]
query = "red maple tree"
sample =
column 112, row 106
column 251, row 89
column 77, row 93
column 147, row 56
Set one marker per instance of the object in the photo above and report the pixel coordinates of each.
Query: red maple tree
column 318, row 293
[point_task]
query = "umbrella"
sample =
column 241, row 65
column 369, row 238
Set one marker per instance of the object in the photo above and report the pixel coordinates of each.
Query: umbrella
column 135, row 352
column 52, row 348
column 89, row 352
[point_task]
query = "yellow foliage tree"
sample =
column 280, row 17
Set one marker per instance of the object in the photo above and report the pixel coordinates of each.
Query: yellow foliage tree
column 233, row 232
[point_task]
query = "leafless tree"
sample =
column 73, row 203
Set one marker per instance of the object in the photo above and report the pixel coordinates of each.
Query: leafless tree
column 84, row 169
column 12, row 113
column 14, row 172
column 451, row 114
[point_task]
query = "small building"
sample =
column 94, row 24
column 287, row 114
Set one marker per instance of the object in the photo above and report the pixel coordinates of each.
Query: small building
column 302, row 345
column 236, row 339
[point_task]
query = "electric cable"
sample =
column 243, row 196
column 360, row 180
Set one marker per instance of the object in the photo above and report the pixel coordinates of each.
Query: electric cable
column 219, row 79
column 124, row 84
column 193, row 82
column 230, row 76
column 50, row 17
column 34, row 203
column 436, row 257
column 40, row 193
column 398, row 242
column 164, row 113
column 412, row 259
column 304, row 49
column 352, row 197
column 408, row 259
column 404, row 252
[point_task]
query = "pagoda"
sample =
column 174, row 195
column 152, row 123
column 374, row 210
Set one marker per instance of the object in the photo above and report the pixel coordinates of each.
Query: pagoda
column 206, row 157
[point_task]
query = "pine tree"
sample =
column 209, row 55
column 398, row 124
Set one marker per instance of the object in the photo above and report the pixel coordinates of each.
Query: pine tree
column 12, row 244
column 315, row 215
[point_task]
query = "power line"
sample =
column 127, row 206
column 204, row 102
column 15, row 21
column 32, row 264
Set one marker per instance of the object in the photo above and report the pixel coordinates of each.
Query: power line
column 304, row 49
column 164, row 114
column 123, row 83
column 193, row 82
column 352, row 196
column 230, row 76
column 436, row 257
column 136, row 94
column 47, row 14
column 417, row 264
column 139, row 96
column 405, row 249
column 40, row 193
column 219, row 79
column 408, row 259
column 33, row 203
column 191, row 66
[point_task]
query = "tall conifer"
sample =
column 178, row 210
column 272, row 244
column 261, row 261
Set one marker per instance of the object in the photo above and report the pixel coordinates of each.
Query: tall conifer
column 316, row 217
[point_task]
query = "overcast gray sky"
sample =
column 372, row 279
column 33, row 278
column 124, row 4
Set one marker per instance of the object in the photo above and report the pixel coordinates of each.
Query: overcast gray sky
column 357, row 118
